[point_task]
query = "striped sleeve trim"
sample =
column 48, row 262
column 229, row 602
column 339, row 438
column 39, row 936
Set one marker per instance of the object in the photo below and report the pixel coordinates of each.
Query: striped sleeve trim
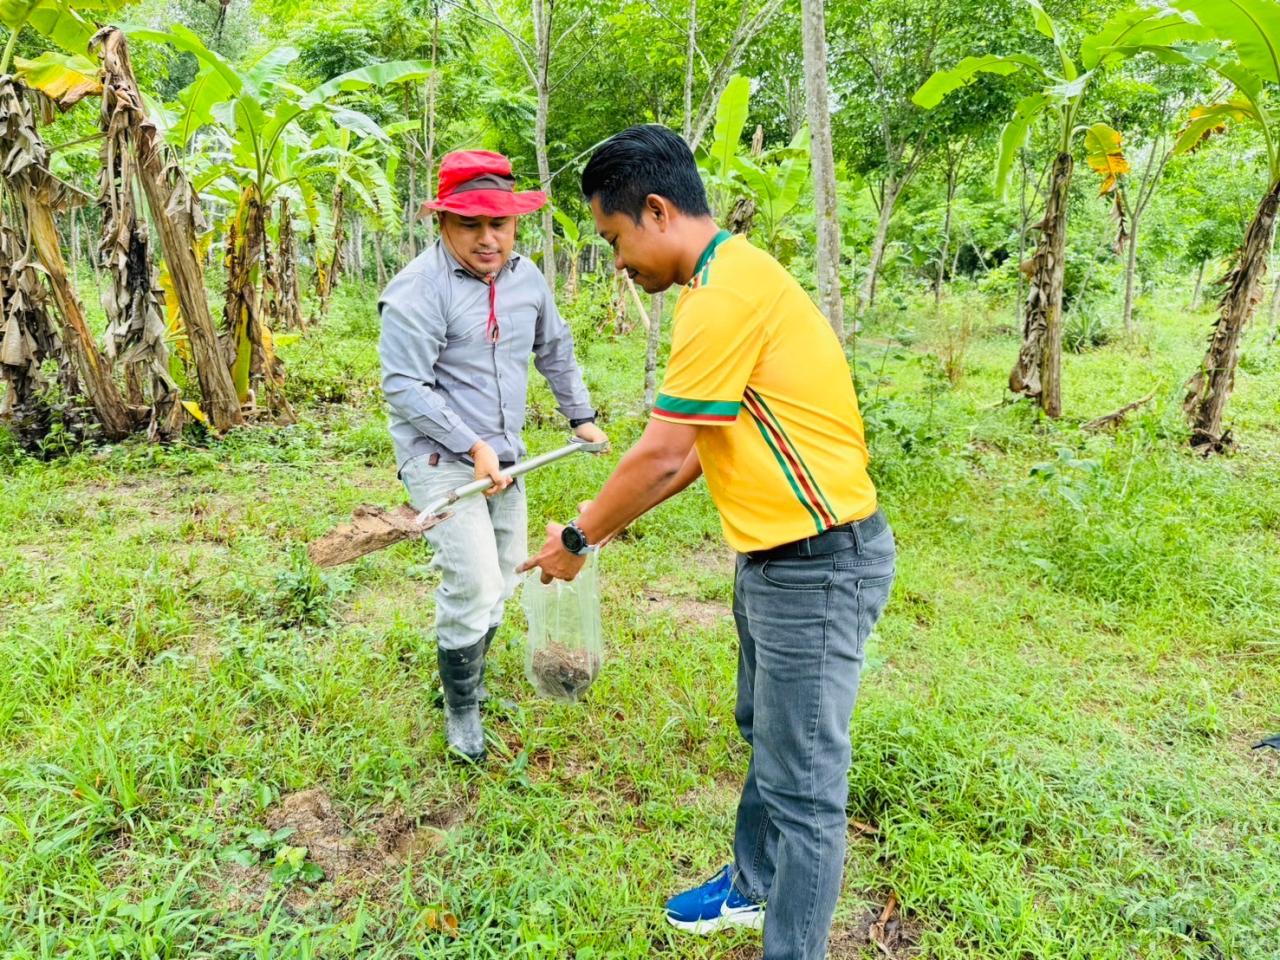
column 696, row 411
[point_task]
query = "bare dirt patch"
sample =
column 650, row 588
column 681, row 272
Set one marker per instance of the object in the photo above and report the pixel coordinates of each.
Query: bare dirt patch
column 879, row 926
column 702, row 614
column 359, row 862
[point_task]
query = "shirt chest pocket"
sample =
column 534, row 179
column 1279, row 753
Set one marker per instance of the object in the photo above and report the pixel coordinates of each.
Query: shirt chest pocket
column 517, row 327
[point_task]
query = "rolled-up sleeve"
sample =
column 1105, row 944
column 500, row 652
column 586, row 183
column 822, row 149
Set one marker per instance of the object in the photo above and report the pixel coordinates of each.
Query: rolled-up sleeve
column 554, row 359
column 413, row 333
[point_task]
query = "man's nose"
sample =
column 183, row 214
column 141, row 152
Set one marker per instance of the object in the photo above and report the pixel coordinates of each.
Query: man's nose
column 617, row 262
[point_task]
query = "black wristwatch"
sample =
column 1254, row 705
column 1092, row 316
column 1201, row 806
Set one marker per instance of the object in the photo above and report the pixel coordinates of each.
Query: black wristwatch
column 574, row 424
column 574, row 540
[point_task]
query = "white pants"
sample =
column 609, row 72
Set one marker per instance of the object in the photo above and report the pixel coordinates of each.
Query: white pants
column 476, row 550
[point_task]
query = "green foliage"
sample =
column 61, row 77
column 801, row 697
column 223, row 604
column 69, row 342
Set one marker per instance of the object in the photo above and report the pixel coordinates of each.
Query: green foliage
column 304, row 595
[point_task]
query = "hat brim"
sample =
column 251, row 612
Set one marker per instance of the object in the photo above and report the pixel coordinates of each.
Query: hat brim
column 488, row 203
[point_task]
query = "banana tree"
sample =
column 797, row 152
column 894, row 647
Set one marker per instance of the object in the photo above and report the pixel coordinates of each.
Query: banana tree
column 1251, row 31
column 1064, row 82
column 256, row 110
column 719, row 160
column 362, row 172
column 66, row 25
column 777, row 180
column 38, row 195
column 574, row 242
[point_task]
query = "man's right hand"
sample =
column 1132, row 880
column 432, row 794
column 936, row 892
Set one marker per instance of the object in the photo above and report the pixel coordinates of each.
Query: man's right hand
column 487, row 466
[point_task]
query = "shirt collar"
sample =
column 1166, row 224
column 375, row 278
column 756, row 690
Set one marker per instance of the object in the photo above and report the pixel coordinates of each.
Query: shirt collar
column 458, row 270
column 709, row 253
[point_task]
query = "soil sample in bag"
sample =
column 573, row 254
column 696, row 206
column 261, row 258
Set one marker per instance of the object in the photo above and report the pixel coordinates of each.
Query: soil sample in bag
column 563, row 672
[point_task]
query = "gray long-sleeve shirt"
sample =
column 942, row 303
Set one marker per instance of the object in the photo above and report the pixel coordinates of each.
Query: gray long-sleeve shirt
column 447, row 385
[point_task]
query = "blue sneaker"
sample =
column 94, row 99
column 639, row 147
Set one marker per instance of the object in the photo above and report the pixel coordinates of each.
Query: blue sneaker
column 713, row 906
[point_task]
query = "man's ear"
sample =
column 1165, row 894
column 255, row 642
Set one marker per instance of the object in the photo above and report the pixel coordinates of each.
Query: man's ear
column 660, row 208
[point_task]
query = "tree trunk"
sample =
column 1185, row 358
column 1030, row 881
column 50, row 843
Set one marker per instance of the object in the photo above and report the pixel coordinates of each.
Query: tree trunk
column 24, row 164
column 542, row 34
column 1024, row 220
column 867, row 296
column 1210, row 387
column 327, row 276
column 287, row 269
column 817, row 94
column 74, row 246
column 1037, row 372
column 357, row 247
column 94, row 371
column 1130, row 272
column 432, row 87
column 652, row 342
column 131, row 298
column 952, row 165
column 27, row 338
column 1195, row 294
column 690, row 53
column 1274, row 323
column 240, row 309
column 175, row 210
column 378, row 261
column 411, row 213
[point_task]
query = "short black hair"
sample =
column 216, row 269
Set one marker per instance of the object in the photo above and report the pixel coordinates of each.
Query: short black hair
column 644, row 159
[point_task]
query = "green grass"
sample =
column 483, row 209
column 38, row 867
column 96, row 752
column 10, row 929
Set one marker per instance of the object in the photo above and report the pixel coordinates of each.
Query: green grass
column 1051, row 743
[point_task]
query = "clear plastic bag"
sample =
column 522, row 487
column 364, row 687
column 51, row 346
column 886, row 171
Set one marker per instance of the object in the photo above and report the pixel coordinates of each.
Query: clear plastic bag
column 565, row 647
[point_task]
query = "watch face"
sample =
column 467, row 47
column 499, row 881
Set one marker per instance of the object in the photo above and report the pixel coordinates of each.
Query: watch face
column 573, row 539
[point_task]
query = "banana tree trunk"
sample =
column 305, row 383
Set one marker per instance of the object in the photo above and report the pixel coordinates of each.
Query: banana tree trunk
column 26, row 173
column 1209, row 388
column 175, row 210
column 287, row 269
column 131, row 298
column 27, row 339
column 1038, row 371
column 1274, row 322
column 327, row 275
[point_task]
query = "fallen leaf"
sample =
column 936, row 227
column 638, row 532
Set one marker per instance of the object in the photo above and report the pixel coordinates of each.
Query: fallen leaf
column 441, row 921
column 877, row 931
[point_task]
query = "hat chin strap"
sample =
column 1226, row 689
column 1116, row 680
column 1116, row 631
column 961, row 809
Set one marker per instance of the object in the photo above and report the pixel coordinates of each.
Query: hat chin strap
column 484, row 277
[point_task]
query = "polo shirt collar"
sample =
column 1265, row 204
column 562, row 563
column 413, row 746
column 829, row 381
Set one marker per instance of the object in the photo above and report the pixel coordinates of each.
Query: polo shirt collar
column 709, row 252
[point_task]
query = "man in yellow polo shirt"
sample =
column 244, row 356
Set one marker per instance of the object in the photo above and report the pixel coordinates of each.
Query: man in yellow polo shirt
column 758, row 398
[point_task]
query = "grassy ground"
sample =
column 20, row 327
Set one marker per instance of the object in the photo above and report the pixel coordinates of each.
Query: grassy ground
column 1052, row 745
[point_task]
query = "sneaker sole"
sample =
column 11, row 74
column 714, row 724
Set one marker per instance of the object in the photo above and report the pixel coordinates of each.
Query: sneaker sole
column 753, row 920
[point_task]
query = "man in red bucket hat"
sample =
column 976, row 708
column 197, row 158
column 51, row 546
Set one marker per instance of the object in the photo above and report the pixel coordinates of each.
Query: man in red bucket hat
column 459, row 324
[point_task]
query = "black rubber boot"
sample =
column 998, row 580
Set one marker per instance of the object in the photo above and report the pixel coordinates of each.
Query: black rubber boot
column 460, row 673
column 482, row 694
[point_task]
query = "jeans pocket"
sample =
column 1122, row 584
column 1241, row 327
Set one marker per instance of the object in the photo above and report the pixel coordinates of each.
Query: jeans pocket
column 415, row 467
column 799, row 573
column 873, row 595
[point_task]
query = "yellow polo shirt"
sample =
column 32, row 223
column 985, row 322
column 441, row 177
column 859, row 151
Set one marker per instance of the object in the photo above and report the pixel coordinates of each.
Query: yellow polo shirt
column 755, row 363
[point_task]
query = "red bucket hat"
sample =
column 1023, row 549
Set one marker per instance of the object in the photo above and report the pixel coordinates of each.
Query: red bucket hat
column 479, row 183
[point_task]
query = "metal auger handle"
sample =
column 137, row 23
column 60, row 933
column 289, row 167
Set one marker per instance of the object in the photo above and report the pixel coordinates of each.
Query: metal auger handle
column 436, row 507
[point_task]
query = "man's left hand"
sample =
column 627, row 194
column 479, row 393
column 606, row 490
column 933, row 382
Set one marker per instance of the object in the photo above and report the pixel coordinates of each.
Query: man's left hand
column 556, row 562
column 591, row 434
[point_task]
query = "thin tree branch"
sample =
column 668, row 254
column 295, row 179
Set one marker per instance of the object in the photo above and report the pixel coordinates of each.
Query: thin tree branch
column 517, row 42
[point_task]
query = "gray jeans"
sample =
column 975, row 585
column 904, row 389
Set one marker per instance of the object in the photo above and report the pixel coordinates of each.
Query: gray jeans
column 476, row 550
column 802, row 625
